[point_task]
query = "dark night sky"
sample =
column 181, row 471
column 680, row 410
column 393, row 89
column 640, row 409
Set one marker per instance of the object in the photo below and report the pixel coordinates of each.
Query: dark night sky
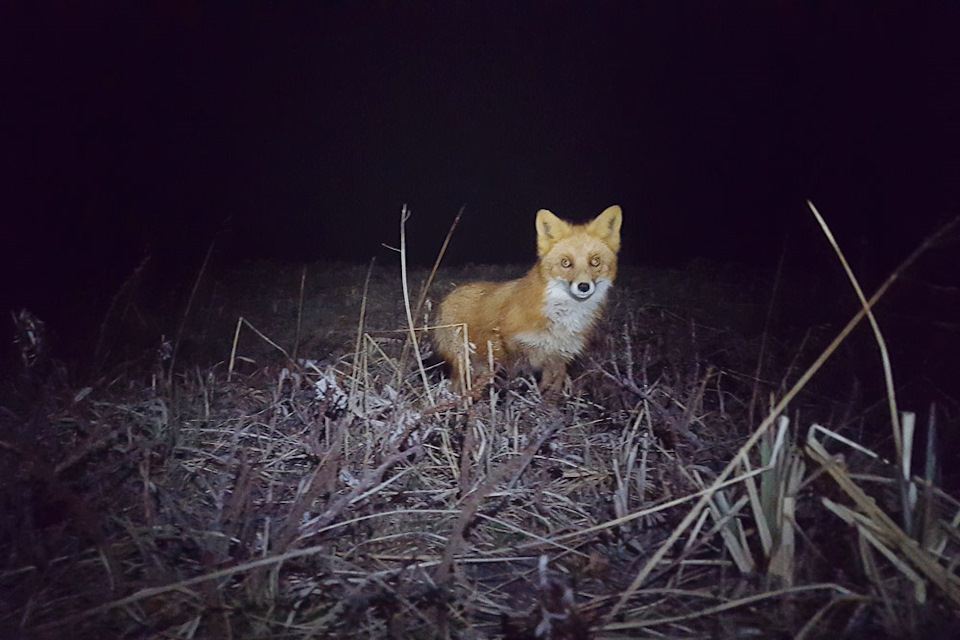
column 130, row 131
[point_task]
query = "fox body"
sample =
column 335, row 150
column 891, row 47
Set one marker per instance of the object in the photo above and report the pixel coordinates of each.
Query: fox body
column 545, row 317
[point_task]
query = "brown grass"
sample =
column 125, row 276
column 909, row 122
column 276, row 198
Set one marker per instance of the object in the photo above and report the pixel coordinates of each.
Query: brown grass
column 353, row 495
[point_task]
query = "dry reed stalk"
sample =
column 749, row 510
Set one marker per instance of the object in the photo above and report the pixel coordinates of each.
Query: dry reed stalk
column 776, row 411
column 425, row 289
column 879, row 528
column 296, row 339
column 726, row 606
column 370, row 479
column 877, row 334
column 355, row 377
column 404, row 216
column 181, row 585
column 241, row 321
column 472, row 502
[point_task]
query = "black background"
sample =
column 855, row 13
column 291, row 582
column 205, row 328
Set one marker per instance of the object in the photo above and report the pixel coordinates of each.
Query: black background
column 299, row 132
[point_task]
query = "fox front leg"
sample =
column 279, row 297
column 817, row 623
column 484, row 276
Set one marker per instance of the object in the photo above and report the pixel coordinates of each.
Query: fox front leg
column 553, row 376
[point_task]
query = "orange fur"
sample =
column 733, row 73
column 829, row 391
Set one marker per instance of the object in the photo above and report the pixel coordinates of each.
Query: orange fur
column 545, row 317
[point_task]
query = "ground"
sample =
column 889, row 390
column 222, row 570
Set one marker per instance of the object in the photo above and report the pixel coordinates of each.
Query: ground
column 265, row 456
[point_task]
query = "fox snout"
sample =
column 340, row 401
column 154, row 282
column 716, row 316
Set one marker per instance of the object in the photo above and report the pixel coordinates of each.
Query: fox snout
column 582, row 289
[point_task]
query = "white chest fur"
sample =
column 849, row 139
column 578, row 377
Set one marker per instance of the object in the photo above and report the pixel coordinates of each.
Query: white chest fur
column 568, row 317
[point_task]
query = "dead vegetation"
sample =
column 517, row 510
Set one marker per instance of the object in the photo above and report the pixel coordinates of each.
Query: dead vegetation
column 675, row 491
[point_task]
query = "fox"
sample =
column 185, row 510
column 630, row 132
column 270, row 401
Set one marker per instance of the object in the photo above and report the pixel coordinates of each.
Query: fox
column 543, row 319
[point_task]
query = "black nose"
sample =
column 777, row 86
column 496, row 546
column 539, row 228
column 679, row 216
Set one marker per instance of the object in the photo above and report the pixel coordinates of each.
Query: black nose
column 584, row 287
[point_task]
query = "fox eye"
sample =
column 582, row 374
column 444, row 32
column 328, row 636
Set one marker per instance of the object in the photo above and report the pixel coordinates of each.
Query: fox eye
column 566, row 263
column 595, row 261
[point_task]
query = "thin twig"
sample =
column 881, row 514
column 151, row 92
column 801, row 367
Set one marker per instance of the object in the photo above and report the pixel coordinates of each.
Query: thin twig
column 355, row 378
column 472, row 502
column 426, row 289
column 404, row 216
column 296, row 340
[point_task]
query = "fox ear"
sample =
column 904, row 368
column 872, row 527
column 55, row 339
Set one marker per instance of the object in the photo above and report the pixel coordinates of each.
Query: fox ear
column 550, row 229
column 606, row 227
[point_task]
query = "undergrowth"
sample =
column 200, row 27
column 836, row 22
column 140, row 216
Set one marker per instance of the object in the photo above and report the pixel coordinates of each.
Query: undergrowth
column 670, row 492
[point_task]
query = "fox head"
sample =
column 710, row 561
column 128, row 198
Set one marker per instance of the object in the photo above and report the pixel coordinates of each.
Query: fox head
column 584, row 256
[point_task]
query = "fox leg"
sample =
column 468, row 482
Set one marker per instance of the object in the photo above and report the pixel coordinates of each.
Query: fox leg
column 553, row 375
column 472, row 361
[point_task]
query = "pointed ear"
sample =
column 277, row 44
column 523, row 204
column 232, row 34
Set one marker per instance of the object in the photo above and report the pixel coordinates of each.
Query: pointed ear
column 550, row 229
column 606, row 227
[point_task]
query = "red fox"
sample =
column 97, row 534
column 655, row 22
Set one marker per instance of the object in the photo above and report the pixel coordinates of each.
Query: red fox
column 545, row 317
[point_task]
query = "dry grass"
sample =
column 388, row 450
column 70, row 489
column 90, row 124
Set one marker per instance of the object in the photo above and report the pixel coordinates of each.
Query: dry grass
column 355, row 496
